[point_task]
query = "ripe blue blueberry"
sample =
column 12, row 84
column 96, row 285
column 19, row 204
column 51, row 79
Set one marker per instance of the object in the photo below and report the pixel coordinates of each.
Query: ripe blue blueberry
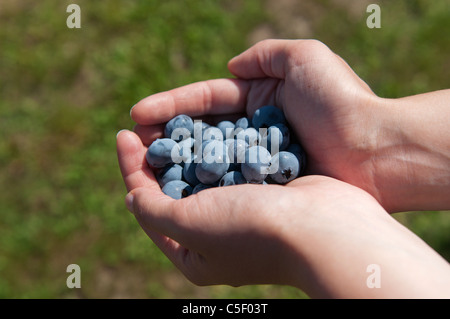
column 195, row 155
column 199, row 129
column 213, row 133
column 249, row 135
column 232, row 178
column 288, row 167
column 180, row 127
column 267, row 116
column 242, row 123
column 172, row 172
column 276, row 138
column 200, row 186
column 227, row 128
column 227, row 142
column 177, row 189
column 217, row 148
column 236, row 150
column 186, row 152
column 200, row 125
column 286, row 134
column 159, row 154
column 257, row 164
column 299, row 152
column 189, row 173
column 214, row 163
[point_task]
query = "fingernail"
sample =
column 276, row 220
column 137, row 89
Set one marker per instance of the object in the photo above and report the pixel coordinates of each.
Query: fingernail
column 131, row 110
column 129, row 202
column 120, row 132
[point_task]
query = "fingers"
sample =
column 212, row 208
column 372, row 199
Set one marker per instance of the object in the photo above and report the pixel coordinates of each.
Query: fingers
column 131, row 155
column 219, row 96
column 154, row 210
column 149, row 133
column 173, row 250
column 157, row 216
column 165, row 220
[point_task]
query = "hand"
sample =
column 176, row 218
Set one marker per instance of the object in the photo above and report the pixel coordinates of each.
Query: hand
column 324, row 245
column 315, row 233
column 324, row 101
column 349, row 133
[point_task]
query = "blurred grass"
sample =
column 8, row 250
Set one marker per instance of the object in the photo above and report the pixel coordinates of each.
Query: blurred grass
column 64, row 94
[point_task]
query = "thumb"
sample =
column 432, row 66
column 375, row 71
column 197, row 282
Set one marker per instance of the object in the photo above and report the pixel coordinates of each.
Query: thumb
column 267, row 58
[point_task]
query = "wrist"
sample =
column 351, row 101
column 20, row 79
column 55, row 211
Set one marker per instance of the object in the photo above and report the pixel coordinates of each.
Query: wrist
column 411, row 161
column 339, row 242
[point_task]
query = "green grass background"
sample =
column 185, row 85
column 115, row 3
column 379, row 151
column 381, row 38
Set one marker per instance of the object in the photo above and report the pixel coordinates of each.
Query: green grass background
column 65, row 93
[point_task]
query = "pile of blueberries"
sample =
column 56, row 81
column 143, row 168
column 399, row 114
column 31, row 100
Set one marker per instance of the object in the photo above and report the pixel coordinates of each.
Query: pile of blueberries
column 194, row 155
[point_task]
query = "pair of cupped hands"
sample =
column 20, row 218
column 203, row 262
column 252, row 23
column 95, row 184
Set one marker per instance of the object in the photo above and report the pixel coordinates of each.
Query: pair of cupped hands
column 319, row 232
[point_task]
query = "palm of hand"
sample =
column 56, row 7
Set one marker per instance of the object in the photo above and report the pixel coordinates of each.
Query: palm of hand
column 231, row 235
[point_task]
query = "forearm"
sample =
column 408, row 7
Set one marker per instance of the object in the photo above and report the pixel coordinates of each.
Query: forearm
column 365, row 254
column 411, row 165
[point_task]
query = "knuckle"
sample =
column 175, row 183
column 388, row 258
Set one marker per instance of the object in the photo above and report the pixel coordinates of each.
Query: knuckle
column 306, row 50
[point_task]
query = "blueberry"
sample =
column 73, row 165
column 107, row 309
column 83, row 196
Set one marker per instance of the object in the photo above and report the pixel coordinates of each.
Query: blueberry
column 234, row 166
column 276, row 138
column 287, row 167
column 213, row 133
column 250, row 135
column 232, row 178
column 242, row 123
column 186, row 150
column 229, row 141
column 199, row 148
column 195, row 155
column 227, row 128
column 267, row 116
column 199, row 187
column 214, row 164
column 200, row 125
column 172, row 172
column 257, row 164
column 216, row 147
column 177, row 189
column 236, row 151
column 180, row 127
column 199, row 128
column 271, row 139
column 286, row 135
column 159, row 153
column 187, row 143
column 299, row 152
column 189, row 173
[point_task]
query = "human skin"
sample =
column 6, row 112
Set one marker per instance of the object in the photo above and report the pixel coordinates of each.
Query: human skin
column 398, row 150
column 317, row 233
